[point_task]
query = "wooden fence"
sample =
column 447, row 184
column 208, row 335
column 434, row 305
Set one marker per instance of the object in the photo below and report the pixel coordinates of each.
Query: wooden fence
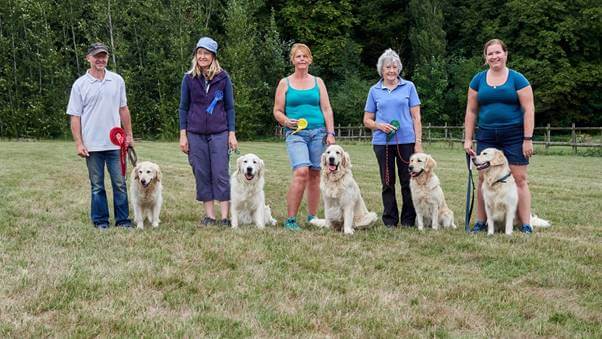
column 574, row 137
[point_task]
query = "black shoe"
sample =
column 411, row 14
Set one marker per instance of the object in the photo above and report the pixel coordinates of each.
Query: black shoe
column 207, row 222
column 225, row 222
column 391, row 227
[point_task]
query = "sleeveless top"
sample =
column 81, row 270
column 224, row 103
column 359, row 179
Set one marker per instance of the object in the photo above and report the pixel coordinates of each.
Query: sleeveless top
column 304, row 103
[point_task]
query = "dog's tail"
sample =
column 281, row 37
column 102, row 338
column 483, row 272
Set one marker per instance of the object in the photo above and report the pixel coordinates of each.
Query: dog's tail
column 366, row 220
column 539, row 222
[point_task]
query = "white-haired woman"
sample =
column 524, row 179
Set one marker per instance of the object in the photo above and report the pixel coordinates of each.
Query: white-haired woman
column 392, row 112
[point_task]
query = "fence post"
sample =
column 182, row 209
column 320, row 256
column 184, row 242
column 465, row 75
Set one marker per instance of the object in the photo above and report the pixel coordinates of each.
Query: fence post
column 429, row 133
column 547, row 137
column 574, row 138
column 339, row 131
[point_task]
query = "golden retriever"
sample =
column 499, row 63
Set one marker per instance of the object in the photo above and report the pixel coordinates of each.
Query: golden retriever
column 343, row 203
column 246, row 193
column 427, row 195
column 499, row 191
column 146, row 193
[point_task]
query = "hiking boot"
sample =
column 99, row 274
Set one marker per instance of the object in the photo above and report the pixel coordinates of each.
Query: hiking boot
column 207, row 222
column 291, row 224
column 225, row 222
column 479, row 226
column 526, row 228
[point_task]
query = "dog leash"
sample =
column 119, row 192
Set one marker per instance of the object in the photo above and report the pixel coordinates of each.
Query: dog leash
column 387, row 154
column 470, row 188
column 117, row 136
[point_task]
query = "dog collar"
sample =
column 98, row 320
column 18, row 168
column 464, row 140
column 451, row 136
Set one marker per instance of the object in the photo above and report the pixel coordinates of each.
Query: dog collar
column 503, row 179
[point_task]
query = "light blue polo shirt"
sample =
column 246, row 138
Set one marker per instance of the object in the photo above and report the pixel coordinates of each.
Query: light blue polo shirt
column 390, row 105
column 97, row 102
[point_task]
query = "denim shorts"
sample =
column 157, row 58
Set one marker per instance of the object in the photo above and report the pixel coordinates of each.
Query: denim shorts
column 507, row 139
column 305, row 147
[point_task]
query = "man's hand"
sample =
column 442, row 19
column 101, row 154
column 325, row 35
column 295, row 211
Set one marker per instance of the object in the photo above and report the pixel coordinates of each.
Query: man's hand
column 82, row 151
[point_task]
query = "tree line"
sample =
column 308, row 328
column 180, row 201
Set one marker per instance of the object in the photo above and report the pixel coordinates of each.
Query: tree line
column 555, row 43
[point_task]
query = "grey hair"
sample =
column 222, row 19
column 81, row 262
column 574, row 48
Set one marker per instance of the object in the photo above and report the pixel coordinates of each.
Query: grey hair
column 388, row 57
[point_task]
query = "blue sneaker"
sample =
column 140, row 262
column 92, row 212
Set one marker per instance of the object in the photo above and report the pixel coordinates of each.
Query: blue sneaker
column 291, row 224
column 479, row 226
column 310, row 217
column 526, row 228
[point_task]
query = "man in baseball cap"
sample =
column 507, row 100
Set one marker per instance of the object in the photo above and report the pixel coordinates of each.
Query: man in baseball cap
column 97, row 104
column 96, row 48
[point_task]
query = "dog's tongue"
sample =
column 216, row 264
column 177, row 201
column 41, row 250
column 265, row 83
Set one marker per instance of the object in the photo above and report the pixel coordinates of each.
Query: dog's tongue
column 332, row 168
column 413, row 174
column 249, row 176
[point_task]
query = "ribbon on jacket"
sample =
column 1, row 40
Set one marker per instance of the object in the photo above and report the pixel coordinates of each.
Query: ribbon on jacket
column 219, row 95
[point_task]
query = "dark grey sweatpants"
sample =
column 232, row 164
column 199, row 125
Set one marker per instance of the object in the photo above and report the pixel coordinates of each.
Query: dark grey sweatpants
column 208, row 156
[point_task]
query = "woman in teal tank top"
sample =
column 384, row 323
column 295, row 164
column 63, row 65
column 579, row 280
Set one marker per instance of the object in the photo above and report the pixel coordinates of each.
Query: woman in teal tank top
column 303, row 96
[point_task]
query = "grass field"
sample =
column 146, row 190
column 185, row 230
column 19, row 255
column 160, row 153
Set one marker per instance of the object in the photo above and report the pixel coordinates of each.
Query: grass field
column 61, row 277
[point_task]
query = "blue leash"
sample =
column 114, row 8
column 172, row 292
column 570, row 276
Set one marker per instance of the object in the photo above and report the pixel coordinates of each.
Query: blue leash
column 469, row 195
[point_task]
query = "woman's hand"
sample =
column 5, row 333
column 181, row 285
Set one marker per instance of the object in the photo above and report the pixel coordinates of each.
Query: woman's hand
column 418, row 147
column 290, row 123
column 527, row 148
column 232, row 142
column 183, row 143
column 468, row 148
column 330, row 139
column 387, row 128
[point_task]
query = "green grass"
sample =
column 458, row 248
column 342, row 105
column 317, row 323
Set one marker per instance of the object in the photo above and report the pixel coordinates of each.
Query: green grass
column 61, row 277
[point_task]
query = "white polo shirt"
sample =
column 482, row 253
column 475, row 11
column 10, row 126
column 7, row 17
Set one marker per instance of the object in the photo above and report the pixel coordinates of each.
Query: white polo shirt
column 97, row 102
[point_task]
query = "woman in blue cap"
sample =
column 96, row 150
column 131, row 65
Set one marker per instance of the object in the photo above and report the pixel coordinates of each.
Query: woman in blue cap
column 207, row 128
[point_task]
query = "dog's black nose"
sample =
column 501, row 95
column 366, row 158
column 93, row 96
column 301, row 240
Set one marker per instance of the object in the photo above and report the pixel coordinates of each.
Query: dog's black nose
column 249, row 170
column 331, row 160
column 411, row 168
column 143, row 182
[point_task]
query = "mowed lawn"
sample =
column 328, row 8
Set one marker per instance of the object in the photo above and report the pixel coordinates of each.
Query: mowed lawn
column 61, row 277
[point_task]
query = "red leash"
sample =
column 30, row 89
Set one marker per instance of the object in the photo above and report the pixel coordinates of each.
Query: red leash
column 117, row 136
column 387, row 158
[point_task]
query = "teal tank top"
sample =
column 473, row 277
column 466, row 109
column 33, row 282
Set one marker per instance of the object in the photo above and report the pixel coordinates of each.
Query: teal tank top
column 304, row 103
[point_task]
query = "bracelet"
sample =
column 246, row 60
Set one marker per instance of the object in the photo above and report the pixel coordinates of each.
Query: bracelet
column 528, row 138
column 331, row 133
column 419, row 141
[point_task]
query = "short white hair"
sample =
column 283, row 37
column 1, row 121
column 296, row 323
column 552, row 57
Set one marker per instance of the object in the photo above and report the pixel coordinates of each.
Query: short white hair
column 387, row 58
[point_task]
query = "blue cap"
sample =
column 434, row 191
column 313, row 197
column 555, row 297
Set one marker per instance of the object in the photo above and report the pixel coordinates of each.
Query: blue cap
column 208, row 44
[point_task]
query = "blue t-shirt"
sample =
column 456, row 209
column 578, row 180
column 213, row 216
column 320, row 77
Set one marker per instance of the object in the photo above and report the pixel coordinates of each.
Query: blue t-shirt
column 499, row 106
column 393, row 105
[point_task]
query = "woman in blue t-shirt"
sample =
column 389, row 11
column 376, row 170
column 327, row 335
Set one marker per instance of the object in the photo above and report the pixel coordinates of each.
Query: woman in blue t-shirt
column 303, row 96
column 392, row 112
column 502, row 100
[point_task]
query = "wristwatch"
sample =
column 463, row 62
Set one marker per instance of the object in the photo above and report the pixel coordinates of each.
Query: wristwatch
column 528, row 138
column 333, row 133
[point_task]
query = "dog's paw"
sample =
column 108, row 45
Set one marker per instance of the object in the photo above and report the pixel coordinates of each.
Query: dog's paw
column 349, row 231
column 319, row 222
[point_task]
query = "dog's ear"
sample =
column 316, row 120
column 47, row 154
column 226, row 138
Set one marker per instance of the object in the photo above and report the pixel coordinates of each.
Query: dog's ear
column 238, row 163
column 346, row 162
column 158, row 169
column 498, row 159
column 323, row 161
column 430, row 163
column 260, row 169
column 136, row 177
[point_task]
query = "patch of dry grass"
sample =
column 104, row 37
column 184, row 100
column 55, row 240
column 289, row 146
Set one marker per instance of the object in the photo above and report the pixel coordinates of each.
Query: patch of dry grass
column 61, row 277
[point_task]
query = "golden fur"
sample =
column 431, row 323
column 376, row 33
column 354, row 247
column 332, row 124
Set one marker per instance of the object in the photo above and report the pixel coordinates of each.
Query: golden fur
column 343, row 203
column 427, row 195
column 146, row 193
column 247, row 195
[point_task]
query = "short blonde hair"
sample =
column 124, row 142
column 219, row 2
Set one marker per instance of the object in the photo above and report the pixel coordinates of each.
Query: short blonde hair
column 213, row 70
column 300, row 47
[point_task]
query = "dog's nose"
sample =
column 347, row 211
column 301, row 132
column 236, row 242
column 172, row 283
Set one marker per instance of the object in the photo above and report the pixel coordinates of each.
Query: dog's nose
column 249, row 170
column 411, row 168
column 331, row 160
column 143, row 182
